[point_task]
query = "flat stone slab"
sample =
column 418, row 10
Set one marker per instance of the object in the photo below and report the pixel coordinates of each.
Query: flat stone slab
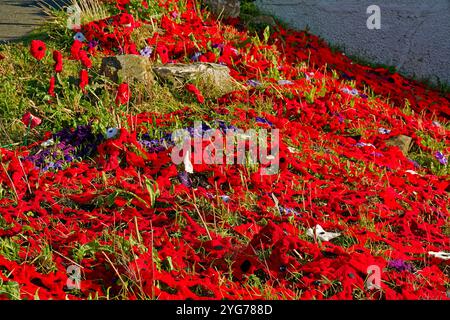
column 128, row 67
column 212, row 79
column 401, row 141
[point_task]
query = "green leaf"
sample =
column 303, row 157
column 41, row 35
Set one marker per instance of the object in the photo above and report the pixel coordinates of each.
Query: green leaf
column 266, row 34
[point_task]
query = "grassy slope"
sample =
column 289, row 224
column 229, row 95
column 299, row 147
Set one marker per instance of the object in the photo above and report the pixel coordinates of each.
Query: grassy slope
column 24, row 86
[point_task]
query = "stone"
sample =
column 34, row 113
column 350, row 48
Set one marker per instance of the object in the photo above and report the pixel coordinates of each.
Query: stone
column 212, row 79
column 127, row 68
column 225, row 8
column 401, row 141
column 262, row 20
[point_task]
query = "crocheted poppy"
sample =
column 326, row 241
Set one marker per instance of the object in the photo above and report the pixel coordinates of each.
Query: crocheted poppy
column 38, row 49
column 57, row 56
column 123, row 94
column 30, row 120
column 84, row 79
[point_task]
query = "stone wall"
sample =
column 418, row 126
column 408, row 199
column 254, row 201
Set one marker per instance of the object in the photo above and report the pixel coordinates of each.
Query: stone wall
column 414, row 36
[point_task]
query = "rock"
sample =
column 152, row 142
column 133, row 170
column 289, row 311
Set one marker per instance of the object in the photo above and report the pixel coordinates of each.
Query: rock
column 212, row 79
column 127, row 67
column 401, row 141
column 262, row 20
column 225, row 8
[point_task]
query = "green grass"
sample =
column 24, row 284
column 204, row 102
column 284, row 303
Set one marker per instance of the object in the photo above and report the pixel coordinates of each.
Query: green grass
column 25, row 84
column 11, row 289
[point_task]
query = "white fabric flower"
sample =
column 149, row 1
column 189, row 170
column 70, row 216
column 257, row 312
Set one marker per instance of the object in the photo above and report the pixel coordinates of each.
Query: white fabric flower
column 363, row 144
column 384, row 131
column 284, row 82
column 79, row 36
column 319, row 233
column 309, row 75
column 441, row 255
column 188, row 167
column 293, row 150
column 352, row 92
column 47, row 143
column 111, row 133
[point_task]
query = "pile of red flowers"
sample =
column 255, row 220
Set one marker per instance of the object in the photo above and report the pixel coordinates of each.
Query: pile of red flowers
column 139, row 226
column 112, row 34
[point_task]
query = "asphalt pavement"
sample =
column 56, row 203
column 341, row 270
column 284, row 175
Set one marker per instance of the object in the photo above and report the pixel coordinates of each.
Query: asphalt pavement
column 19, row 17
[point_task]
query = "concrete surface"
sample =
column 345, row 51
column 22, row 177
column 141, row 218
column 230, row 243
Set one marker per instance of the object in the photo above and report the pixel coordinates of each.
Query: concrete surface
column 414, row 35
column 18, row 17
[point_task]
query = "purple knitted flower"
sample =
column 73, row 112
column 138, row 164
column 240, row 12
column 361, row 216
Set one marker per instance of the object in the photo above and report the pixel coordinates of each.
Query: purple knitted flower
column 146, row 52
column 400, row 265
column 183, row 176
column 441, row 158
